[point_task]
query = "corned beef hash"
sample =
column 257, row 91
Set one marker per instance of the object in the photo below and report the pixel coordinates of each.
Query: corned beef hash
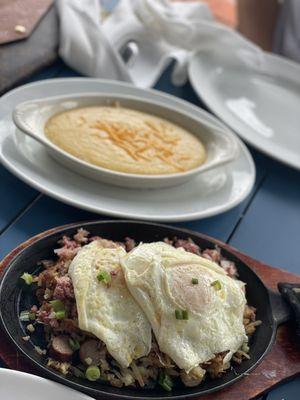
column 139, row 314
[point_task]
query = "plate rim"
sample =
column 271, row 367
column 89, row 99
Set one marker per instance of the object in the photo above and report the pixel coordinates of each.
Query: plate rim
column 40, row 186
column 220, row 115
column 36, row 378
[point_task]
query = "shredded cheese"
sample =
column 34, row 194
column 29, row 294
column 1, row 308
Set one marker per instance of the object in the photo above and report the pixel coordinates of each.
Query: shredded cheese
column 153, row 141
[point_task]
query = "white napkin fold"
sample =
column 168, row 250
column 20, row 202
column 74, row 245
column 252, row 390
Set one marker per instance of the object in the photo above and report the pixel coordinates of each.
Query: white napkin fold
column 83, row 45
column 161, row 31
column 287, row 33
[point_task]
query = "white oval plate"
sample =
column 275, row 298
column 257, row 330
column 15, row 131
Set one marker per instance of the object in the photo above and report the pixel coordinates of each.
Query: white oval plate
column 256, row 94
column 209, row 194
column 16, row 385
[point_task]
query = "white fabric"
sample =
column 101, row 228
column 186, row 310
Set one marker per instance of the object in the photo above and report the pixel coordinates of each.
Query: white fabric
column 287, row 34
column 163, row 31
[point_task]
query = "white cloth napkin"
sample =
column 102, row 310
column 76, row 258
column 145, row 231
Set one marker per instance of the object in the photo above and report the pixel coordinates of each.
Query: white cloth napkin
column 161, row 31
column 287, row 34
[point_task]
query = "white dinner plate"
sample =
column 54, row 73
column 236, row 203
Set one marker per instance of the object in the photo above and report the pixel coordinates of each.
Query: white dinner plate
column 256, row 94
column 16, row 385
column 209, row 194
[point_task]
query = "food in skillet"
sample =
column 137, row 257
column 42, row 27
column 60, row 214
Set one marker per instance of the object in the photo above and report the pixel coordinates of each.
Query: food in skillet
column 140, row 315
column 125, row 140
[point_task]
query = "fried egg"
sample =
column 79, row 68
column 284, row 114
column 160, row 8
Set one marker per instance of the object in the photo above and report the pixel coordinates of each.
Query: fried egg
column 105, row 306
column 194, row 307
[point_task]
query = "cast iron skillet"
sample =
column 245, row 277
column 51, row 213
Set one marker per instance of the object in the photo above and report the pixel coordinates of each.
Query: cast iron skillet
column 271, row 309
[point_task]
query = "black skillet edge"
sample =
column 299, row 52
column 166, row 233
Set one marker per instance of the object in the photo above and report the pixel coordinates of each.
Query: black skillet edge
column 263, row 338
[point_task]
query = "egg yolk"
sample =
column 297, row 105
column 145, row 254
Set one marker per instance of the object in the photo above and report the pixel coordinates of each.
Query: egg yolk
column 185, row 293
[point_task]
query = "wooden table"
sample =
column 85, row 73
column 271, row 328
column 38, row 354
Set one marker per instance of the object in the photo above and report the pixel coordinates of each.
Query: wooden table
column 266, row 225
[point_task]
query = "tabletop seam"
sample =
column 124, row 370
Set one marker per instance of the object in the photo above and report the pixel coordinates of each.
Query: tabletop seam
column 19, row 215
column 251, row 199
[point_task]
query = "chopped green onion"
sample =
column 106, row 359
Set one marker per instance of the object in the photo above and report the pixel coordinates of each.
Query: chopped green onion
column 60, row 314
column 27, row 278
column 104, row 277
column 195, row 281
column 92, row 373
column 185, row 314
column 182, row 314
column 57, row 305
column 30, row 328
column 32, row 316
column 24, row 316
column 168, row 381
column 77, row 372
column 216, row 285
column 74, row 344
column 165, row 386
column 165, row 381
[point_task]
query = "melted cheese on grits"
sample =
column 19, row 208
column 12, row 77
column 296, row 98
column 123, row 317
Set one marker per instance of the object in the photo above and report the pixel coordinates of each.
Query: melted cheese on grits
column 125, row 140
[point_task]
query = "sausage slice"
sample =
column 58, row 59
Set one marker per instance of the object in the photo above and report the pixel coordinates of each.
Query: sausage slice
column 90, row 352
column 61, row 349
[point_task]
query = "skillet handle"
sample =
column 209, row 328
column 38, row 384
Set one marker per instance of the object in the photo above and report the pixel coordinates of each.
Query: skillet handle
column 281, row 311
column 291, row 293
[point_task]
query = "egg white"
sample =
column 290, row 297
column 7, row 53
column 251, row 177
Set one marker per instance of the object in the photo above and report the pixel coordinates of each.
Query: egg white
column 108, row 310
column 160, row 279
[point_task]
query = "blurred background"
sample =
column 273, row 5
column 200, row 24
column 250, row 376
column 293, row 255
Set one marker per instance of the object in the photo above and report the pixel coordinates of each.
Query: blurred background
column 268, row 23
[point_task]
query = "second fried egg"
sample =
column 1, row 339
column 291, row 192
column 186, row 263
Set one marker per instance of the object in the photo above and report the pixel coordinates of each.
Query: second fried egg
column 195, row 309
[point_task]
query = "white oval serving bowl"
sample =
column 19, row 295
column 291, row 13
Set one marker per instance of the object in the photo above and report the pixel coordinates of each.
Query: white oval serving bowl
column 221, row 146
